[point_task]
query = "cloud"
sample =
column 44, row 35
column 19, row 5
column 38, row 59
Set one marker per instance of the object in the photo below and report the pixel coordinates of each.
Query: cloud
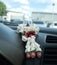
column 25, row 7
column 51, row 9
column 41, row 1
column 53, row 1
column 16, row 9
column 22, row 1
column 49, row 6
column 8, row 6
column 46, row 1
column 26, row 12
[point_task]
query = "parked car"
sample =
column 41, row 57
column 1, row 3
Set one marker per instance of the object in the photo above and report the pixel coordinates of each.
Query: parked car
column 15, row 22
column 53, row 25
column 1, row 21
column 4, row 21
column 40, row 23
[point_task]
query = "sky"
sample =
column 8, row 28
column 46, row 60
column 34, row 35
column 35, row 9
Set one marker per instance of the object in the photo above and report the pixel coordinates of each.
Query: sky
column 28, row 6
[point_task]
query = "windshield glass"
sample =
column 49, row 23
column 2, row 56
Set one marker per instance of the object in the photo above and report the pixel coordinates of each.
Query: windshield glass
column 14, row 12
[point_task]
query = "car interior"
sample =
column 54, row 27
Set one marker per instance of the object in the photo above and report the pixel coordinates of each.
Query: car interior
column 12, row 48
column 28, row 32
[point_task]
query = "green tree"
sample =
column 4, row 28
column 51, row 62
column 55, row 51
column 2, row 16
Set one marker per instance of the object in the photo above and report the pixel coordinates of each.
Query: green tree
column 2, row 9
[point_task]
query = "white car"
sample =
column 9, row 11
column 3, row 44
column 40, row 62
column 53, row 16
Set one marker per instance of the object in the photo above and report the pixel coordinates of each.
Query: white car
column 40, row 23
column 53, row 25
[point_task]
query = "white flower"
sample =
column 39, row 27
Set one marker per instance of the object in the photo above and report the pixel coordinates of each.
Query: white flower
column 22, row 27
column 37, row 47
column 28, row 45
column 24, row 38
column 31, row 45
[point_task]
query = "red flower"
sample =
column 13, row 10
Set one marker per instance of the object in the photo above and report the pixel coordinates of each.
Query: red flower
column 30, row 33
column 28, row 55
column 39, row 54
column 33, row 54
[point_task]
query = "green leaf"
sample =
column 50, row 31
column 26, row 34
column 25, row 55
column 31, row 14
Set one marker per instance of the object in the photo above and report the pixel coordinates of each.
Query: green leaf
column 2, row 9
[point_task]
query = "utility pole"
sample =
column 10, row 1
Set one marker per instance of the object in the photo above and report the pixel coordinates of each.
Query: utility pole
column 53, row 11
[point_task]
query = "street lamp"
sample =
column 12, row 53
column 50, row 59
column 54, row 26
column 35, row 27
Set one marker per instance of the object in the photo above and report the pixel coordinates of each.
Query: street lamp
column 53, row 11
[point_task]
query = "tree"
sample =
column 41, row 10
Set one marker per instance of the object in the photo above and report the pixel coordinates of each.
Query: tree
column 2, row 9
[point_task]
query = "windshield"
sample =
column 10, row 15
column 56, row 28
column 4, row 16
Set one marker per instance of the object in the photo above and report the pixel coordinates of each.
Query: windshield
column 14, row 12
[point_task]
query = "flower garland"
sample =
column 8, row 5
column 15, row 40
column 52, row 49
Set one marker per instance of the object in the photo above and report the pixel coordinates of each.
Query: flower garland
column 29, row 35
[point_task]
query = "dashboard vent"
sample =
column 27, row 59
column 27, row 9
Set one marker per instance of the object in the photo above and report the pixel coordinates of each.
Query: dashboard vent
column 51, row 39
column 50, row 56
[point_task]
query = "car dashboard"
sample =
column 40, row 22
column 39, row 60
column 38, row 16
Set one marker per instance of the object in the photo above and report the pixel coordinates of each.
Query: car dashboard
column 12, row 48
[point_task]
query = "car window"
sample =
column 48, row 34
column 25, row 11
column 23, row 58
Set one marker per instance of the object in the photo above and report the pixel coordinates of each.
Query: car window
column 55, row 24
column 38, row 22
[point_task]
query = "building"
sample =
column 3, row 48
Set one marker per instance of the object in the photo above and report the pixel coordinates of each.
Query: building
column 13, row 15
column 44, row 16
